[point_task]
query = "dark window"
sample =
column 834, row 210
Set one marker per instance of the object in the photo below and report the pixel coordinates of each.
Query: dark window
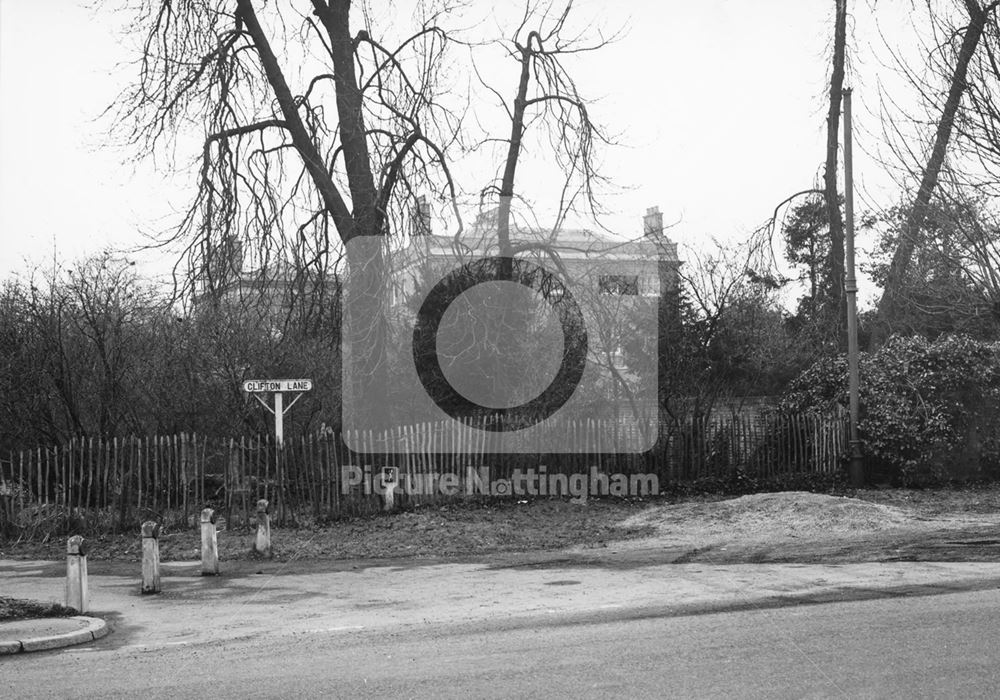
column 627, row 285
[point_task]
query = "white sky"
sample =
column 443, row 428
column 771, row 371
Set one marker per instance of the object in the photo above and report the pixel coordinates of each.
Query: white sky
column 720, row 107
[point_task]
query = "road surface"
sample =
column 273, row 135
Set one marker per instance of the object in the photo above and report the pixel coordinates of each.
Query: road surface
column 931, row 646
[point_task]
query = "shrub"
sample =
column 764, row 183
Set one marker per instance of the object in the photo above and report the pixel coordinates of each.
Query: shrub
column 927, row 408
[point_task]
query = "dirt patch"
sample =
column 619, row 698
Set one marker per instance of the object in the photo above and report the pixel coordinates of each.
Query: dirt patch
column 808, row 527
column 446, row 531
column 864, row 525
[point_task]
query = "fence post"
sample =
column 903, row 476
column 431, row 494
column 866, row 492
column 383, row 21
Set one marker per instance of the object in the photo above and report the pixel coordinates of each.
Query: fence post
column 76, row 574
column 150, row 557
column 262, row 544
column 209, row 544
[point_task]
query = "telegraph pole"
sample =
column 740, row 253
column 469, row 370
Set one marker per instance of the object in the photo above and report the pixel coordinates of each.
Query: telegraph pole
column 856, row 468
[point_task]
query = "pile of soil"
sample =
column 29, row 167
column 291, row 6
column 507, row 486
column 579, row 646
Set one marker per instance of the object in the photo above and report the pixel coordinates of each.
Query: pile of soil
column 766, row 516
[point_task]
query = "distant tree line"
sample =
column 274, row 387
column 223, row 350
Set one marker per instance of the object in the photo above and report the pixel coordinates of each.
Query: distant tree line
column 95, row 350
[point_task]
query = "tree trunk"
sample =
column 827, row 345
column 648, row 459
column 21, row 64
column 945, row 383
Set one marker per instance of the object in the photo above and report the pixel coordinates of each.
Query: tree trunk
column 361, row 227
column 365, row 359
column 888, row 304
column 311, row 157
column 835, row 303
column 513, row 151
column 350, row 113
column 365, row 337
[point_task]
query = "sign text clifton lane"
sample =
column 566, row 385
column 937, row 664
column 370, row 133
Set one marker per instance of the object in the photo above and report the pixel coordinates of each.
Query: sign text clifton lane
column 262, row 386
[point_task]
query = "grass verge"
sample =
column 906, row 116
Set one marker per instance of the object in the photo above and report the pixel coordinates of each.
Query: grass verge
column 20, row 609
column 867, row 525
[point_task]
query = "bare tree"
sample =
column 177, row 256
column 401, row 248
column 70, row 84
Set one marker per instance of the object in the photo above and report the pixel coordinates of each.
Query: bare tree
column 959, row 46
column 318, row 128
column 309, row 129
column 952, row 285
column 71, row 348
column 547, row 93
column 733, row 330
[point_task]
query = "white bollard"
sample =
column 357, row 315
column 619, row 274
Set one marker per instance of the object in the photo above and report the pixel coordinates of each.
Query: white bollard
column 150, row 557
column 262, row 544
column 390, row 479
column 209, row 544
column 76, row 574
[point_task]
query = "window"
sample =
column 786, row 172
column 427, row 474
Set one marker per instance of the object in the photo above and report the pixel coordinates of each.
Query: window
column 625, row 285
column 618, row 356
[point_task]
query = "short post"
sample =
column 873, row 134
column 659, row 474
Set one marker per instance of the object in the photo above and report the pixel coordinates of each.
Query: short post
column 262, row 544
column 390, row 477
column 150, row 557
column 209, row 544
column 76, row 574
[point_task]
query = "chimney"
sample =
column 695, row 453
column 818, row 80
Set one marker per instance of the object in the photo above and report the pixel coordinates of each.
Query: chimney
column 421, row 217
column 652, row 222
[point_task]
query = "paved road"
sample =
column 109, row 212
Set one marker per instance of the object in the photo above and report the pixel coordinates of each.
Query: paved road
column 932, row 646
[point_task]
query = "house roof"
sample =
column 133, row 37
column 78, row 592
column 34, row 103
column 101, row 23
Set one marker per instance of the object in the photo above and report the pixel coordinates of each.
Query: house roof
column 569, row 243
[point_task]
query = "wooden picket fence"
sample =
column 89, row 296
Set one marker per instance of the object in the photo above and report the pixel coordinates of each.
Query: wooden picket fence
column 109, row 483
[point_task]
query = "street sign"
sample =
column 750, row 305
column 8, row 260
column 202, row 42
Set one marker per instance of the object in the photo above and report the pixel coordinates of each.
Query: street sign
column 278, row 387
column 266, row 386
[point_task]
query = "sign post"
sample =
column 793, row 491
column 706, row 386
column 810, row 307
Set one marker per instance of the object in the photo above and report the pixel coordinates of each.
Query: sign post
column 279, row 417
column 278, row 387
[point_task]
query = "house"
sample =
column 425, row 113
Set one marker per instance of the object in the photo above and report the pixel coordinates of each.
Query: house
column 645, row 264
column 270, row 291
column 618, row 281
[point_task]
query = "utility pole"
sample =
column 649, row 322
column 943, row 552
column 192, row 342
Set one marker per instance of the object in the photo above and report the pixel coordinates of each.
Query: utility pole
column 856, row 468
